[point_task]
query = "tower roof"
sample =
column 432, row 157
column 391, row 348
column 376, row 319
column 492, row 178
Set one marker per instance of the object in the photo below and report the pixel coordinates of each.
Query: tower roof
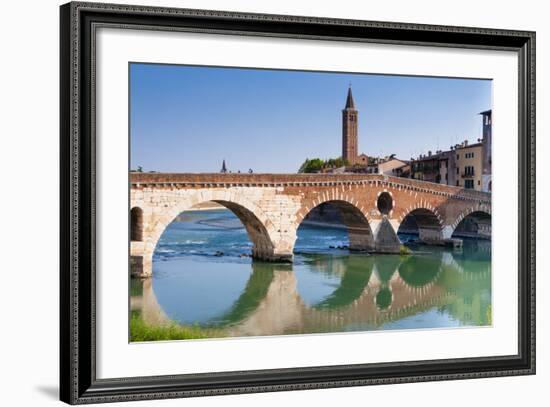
column 350, row 104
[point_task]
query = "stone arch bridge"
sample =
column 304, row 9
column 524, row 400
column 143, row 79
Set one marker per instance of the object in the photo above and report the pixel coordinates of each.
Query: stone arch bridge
column 272, row 207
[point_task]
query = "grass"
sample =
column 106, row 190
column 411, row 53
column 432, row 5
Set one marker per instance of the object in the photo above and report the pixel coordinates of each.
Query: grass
column 142, row 332
column 489, row 315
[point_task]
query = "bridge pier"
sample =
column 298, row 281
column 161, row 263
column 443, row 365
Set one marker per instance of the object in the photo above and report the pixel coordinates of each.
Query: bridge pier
column 430, row 235
column 385, row 237
column 281, row 248
column 361, row 240
column 438, row 237
column 141, row 266
column 275, row 256
column 141, row 260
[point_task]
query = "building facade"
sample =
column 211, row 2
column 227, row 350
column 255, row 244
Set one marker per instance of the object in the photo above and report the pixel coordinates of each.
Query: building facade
column 426, row 168
column 469, row 166
column 438, row 168
column 462, row 166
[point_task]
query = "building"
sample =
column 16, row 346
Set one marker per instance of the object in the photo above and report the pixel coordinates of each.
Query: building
column 350, row 130
column 426, row 168
column 486, row 178
column 447, row 167
column 361, row 163
column 224, row 168
column 469, row 165
column 464, row 165
column 404, row 171
column 461, row 166
column 388, row 166
column 438, row 168
column 362, row 159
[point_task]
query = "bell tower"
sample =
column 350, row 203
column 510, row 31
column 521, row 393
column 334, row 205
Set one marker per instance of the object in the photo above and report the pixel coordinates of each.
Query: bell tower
column 349, row 130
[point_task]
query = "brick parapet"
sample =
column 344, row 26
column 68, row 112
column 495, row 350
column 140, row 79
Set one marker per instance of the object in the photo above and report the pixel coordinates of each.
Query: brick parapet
column 217, row 180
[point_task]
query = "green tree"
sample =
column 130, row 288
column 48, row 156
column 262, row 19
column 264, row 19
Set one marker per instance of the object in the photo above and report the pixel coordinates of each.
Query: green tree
column 337, row 162
column 313, row 165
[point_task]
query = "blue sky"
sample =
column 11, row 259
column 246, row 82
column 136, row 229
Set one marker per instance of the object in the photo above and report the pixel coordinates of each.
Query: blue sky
column 188, row 119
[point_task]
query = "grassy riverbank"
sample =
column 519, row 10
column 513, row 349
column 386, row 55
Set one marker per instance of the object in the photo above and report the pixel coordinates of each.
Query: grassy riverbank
column 142, row 332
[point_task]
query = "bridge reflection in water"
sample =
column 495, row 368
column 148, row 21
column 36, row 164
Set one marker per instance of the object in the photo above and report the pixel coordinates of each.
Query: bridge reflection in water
column 322, row 293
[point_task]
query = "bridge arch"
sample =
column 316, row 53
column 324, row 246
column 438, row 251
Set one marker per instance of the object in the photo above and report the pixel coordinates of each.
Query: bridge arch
column 424, row 219
column 351, row 215
column 473, row 222
column 259, row 227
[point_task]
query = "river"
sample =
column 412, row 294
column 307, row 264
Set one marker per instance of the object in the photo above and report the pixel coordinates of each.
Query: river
column 203, row 277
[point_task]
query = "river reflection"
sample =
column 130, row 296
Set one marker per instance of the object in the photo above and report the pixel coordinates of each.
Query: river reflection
column 330, row 291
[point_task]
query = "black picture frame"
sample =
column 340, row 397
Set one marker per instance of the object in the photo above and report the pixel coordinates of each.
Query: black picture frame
column 78, row 382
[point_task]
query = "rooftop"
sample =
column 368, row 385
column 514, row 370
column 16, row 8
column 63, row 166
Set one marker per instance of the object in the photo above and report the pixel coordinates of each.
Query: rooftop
column 462, row 147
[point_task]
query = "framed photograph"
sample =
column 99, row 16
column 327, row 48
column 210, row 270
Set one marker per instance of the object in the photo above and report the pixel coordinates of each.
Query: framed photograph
column 255, row 203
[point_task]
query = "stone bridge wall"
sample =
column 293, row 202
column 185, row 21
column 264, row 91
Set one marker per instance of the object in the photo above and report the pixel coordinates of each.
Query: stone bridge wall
column 272, row 206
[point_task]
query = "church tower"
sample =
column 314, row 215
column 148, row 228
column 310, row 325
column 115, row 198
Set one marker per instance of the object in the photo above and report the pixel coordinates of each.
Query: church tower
column 349, row 130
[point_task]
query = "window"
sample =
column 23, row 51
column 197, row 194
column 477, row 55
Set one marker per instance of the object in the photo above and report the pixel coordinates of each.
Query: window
column 457, row 156
column 457, row 183
column 469, row 184
column 478, row 182
column 457, row 170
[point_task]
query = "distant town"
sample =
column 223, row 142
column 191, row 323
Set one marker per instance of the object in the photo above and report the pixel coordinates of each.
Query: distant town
column 466, row 165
